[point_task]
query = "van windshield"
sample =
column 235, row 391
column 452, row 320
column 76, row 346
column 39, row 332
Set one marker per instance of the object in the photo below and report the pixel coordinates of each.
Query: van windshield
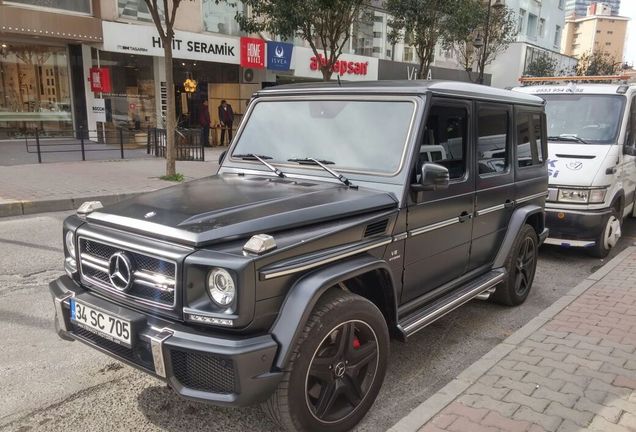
column 592, row 118
column 350, row 135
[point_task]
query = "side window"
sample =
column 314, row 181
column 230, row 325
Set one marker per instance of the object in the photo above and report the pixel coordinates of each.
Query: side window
column 632, row 124
column 445, row 139
column 492, row 143
column 529, row 136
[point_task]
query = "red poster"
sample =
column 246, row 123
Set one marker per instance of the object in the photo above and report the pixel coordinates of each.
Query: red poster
column 252, row 53
column 100, row 80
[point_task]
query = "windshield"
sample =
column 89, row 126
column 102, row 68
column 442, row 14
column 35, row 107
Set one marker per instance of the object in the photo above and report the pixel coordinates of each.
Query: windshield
column 356, row 135
column 594, row 119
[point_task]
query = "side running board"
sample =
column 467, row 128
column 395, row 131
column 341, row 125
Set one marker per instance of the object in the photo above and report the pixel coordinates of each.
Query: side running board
column 419, row 319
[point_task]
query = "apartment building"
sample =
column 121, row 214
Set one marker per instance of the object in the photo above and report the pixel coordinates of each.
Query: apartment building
column 598, row 30
column 579, row 7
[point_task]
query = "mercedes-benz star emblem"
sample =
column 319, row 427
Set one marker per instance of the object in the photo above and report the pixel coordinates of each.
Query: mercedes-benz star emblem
column 339, row 369
column 120, row 271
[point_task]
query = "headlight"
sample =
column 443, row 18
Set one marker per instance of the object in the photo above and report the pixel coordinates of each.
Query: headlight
column 574, row 195
column 582, row 196
column 69, row 240
column 221, row 286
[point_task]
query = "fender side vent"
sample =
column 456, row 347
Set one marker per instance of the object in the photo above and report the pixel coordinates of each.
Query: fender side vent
column 376, row 228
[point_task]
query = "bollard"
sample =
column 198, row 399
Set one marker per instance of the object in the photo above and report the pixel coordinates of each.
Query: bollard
column 37, row 143
column 148, row 141
column 81, row 131
column 121, row 142
column 202, row 150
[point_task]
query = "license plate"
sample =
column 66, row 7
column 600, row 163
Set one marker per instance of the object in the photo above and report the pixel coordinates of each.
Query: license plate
column 103, row 324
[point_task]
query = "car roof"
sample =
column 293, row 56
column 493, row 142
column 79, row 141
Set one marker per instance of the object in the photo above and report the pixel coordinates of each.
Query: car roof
column 404, row 87
column 573, row 88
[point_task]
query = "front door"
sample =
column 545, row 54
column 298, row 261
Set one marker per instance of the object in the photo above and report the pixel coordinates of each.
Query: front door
column 440, row 222
column 495, row 181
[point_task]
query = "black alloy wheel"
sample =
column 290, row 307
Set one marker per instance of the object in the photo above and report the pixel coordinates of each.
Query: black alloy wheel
column 525, row 266
column 341, row 371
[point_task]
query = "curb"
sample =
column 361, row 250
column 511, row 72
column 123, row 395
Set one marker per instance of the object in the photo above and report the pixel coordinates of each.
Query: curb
column 428, row 409
column 20, row 208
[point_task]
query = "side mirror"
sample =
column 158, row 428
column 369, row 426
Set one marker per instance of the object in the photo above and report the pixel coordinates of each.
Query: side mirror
column 222, row 156
column 434, row 177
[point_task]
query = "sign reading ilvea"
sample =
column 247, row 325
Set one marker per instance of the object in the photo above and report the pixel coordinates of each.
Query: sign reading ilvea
column 349, row 67
column 144, row 40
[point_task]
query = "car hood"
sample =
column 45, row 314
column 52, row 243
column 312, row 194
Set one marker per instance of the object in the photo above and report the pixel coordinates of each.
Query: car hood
column 577, row 164
column 231, row 206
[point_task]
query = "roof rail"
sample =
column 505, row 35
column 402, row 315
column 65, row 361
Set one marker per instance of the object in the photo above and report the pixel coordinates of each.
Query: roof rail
column 608, row 79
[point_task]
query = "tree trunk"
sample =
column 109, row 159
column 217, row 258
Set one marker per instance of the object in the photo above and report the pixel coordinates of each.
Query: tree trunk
column 326, row 72
column 171, row 112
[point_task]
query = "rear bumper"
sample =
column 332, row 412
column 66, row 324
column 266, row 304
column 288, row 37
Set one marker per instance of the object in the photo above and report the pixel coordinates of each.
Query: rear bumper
column 574, row 228
column 197, row 365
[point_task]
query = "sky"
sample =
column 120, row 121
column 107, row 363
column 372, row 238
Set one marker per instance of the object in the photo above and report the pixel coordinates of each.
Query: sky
column 628, row 9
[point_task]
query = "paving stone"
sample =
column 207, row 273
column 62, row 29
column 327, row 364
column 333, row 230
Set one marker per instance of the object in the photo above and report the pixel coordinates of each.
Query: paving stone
column 599, row 424
column 566, row 399
column 609, row 413
column 595, row 374
column 623, row 381
column 596, row 365
column 548, row 354
column 462, row 424
column 600, row 385
column 625, row 405
column 477, row 401
column 594, row 348
column 481, row 389
column 556, row 341
column 505, row 424
column 569, row 426
column 628, row 420
column 533, row 402
column 571, row 351
column 549, row 423
column 444, row 420
column 538, row 370
column 523, row 358
column 615, row 370
column 525, row 388
column 541, row 381
column 582, row 418
column 578, row 380
column 554, row 364
column 616, row 361
column 460, row 410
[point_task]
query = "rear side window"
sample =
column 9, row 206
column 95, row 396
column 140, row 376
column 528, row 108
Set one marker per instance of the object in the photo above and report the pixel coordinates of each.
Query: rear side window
column 529, row 135
column 492, row 144
column 445, row 139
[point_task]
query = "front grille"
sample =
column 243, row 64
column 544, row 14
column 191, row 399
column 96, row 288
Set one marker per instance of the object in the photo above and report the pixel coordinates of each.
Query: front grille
column 153, row 279
column 203, row 371
column 140, row 354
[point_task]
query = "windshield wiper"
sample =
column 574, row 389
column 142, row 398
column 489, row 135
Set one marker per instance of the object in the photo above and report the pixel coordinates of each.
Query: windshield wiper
column 571, row 138
column 323, row 164
column 261, row 159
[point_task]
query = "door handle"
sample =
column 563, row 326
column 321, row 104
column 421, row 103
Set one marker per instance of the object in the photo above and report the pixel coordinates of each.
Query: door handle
column 464, row 217
column 509, row 204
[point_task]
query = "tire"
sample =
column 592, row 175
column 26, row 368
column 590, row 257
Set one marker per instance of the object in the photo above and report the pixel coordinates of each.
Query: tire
column 609, row 236
column 521, row 266
column 322, row 362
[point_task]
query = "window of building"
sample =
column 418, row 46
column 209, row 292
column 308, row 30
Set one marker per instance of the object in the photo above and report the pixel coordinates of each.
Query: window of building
column 609, row 32
column 136, row 10
column 378, row 18
column 529, row 138
column 522, row 19
column 445, row 139
column 532, row 26
column 541, row 27
column 608, row 43
column 377, row 50
column 219, row 17
column 408, row 54
column 561, row 4
column 377, row 35
column 492, row 144
column 388, row 53
column 557, row 36
column 79, row 6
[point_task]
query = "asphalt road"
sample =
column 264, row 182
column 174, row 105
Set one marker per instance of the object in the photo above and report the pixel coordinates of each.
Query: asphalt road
column 52, row 385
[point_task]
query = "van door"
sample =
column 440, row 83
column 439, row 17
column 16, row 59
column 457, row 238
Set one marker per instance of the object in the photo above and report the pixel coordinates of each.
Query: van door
column 627, row 172
column 440, row 222
column 494, row 183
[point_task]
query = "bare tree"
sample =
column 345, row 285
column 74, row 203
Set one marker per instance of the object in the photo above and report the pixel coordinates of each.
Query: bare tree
column 163, row 14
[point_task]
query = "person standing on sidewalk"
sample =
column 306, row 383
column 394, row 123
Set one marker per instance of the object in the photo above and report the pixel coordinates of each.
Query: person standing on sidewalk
column 204, row 121
column 226, row 118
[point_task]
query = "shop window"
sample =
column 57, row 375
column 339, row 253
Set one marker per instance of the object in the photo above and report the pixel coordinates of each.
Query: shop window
column 24, row 102
column 219, row 17
column 79, row 6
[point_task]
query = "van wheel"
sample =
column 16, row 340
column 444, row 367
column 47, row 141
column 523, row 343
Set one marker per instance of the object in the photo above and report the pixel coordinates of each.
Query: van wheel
column 336, row 369
column 521, row 266
column 609, row 236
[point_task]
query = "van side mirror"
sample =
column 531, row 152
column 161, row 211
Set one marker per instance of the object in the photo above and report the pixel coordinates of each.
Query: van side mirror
column 434, row 177
column 222, row 156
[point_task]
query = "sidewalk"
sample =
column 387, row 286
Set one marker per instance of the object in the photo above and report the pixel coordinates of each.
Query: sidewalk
column 28, row 189
column 571, row 368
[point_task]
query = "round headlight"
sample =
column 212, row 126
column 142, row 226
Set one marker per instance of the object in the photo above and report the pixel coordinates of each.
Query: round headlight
column 69, row 240
column 221, row 286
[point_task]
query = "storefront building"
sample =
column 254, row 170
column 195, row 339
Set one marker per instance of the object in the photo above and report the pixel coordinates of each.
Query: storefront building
column 41, row 78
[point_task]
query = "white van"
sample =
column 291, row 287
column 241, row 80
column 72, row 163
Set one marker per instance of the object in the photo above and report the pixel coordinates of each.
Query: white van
column 592, row 162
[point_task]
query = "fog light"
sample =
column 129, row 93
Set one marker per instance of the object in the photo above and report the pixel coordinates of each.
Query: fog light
column 210, row 320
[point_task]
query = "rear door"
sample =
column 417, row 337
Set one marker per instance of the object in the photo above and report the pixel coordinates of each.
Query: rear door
column 628, row 167
column 440, row 222
column 495, row 180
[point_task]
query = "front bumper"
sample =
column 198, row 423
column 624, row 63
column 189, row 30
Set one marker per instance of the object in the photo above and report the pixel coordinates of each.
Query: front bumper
column 197, row 365
column 575, row 228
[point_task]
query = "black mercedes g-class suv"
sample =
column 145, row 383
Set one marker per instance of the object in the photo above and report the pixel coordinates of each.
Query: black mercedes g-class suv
column 341, row 215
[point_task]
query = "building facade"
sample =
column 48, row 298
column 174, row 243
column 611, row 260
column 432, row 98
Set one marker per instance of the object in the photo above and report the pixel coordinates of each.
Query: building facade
column 598, row 31
column 579, row 7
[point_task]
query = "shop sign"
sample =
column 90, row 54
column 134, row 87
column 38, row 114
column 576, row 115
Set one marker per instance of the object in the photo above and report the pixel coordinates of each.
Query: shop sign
column 144, row 40
column 279, row 55
column 99, row 110
column 252, row 53
column 100, row 80
column 349, row 67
